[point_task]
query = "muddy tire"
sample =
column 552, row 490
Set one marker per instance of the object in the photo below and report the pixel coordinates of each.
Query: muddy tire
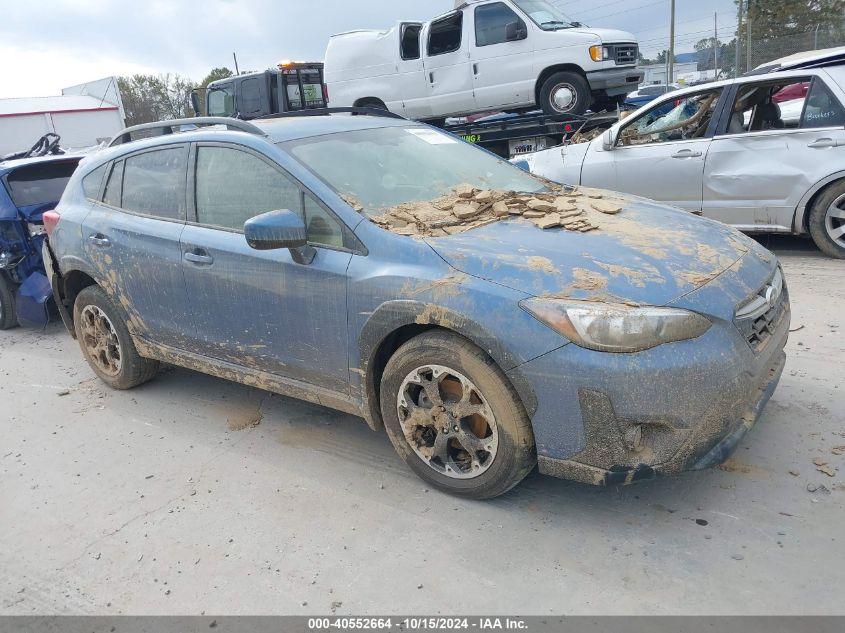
column 565, row 93
column 454, row 417
column 106, row 343
column 8, row 316
column 827, row 220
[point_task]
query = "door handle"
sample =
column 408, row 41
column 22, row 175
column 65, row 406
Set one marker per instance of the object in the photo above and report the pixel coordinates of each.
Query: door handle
column 475, row 69
column 823, row 143
column 686, row 153
column 200, row 258
column 431, row 78
column 100, row 240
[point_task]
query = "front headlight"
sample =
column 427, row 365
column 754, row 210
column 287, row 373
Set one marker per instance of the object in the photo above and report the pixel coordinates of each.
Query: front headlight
column 35, row 229
column 617, row 328
column 599, row 53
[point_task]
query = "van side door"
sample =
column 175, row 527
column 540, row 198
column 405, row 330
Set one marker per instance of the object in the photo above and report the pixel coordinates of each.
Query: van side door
column 447, row 65
column 411, row 81
column 502, row 56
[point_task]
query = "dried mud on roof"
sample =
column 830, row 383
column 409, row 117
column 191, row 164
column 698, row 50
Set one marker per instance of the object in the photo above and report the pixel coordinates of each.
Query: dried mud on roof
column 468, row 207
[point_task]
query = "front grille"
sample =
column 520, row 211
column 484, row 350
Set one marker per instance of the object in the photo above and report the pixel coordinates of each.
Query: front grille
column 625, row 54
column 759, row 317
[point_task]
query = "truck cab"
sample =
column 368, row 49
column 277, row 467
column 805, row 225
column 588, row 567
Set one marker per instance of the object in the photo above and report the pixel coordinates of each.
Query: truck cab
column 289, row 88
column 484, row 55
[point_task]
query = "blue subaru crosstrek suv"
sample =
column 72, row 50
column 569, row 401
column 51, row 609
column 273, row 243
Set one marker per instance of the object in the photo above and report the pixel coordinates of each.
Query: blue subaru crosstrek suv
column 298, row 255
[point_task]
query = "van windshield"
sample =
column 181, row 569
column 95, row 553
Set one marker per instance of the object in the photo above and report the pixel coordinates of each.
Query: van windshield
column 384, row 167
column 545, row 15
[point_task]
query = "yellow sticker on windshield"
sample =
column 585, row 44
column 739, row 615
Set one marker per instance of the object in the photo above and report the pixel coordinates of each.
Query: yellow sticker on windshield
column 432, row 137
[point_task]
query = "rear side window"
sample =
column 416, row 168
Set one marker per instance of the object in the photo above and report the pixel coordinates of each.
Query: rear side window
column 491, row 23
column 445, row 35
column 40, row 184
column 154, row 183
column 822, row 109
column 233, row 186
column 251, row 95
column 91, row 183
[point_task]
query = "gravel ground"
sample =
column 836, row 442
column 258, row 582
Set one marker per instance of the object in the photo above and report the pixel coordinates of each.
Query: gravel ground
column 167, row 500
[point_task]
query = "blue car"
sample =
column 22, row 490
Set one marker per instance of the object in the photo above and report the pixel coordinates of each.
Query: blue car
column 28, row 187
column 608, row 339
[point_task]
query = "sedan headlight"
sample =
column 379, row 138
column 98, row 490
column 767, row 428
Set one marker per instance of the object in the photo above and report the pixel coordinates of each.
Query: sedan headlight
column 35, row 229
column 599, row 53
column 615, row 327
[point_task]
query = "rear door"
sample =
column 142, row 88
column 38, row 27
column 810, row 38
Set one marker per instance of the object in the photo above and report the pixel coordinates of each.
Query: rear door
column 779, row 138
column 502, row 67
column 261, row 309
column 660, row 154
column 412, row 82
column 132, row 239
column 447, row 65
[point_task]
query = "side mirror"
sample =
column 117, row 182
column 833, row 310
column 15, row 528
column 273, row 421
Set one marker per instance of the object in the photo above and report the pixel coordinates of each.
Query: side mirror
column 515, row 31
column 280, row 229
column 195, row 103
column 608, row 140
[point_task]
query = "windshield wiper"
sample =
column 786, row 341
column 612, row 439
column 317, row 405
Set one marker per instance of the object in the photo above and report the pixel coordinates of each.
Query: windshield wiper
column 565, row 25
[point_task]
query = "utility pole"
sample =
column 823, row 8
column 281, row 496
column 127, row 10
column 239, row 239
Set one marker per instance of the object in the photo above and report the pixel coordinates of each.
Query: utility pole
column 670, row 65
column 816, row 38
column 748, row 36
column 738, row 34
column 715, row 46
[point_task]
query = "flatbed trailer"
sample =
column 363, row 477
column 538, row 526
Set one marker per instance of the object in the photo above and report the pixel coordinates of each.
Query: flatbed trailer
column 523, row 134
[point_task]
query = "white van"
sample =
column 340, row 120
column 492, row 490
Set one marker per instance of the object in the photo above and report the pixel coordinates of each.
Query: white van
column 484, row 55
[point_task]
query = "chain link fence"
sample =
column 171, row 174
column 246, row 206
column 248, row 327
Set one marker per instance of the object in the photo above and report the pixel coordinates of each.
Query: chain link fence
column 760, row 51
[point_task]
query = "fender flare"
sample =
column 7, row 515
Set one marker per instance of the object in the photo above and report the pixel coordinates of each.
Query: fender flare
column 394, row 315
column 799, row 219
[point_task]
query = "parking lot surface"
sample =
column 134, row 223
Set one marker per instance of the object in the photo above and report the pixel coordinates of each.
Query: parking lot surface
column 195, row 495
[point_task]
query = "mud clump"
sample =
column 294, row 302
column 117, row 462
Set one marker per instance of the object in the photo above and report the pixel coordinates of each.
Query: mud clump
column 468, row 207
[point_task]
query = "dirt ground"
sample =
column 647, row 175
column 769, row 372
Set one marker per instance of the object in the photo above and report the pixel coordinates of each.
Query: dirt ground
column 192, row 495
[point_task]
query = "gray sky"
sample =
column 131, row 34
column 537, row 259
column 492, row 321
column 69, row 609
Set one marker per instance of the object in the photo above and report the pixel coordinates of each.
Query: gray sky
column 48, row 44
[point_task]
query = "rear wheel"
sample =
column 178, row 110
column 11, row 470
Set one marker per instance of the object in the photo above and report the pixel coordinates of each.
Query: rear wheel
column 827, row 220
column 106, row 343
column 8, row 318
column 565, row 93
column 375, row 104
column 454, row 418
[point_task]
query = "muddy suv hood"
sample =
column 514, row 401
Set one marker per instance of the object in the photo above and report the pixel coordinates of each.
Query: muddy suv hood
column 648, row 254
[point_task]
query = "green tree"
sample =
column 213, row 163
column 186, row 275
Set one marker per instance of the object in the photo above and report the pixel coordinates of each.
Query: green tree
column 148, row 98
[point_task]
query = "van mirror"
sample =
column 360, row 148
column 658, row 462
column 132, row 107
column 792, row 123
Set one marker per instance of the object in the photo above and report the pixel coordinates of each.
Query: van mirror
column 195, row 103
column 608, row 140
column 515, row 31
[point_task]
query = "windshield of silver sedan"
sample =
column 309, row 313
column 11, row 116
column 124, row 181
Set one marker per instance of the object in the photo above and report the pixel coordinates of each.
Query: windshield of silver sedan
column 377, row 169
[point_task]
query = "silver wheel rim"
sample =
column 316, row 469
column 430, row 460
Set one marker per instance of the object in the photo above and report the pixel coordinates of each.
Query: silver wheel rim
column 564, row 97
column 100, row 341
column 834, row 222
column 447, row 422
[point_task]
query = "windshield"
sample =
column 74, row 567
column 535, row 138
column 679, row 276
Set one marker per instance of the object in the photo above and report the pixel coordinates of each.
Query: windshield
column 385, row 167
column 545, row 15
column 40, row 184
column 221, row 102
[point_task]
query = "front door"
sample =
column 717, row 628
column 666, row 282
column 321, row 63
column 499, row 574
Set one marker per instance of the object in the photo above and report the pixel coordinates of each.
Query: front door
column 660, row 154
column 412, row 80
column 502, row 58
column 261, row 309
column 447, row 66
column 779, row 140
column 132, row 239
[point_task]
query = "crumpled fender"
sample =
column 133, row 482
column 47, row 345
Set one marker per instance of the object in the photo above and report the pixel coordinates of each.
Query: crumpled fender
column 31, row 301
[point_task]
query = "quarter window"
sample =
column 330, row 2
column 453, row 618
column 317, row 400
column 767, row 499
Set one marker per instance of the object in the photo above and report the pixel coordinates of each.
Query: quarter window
column 445, row 35
column 111, row 195
column 678, row 119
column 221, row 102
column 91, row 183
column 233, row 186
column 321, row 227
column 154, row 183
column 822, row 109
column 491, row 23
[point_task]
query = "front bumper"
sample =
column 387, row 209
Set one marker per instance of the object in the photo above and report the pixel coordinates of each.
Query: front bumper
column 615, row 81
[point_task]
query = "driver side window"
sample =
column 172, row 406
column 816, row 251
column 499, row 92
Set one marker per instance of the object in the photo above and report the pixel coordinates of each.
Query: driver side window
column 680, row 119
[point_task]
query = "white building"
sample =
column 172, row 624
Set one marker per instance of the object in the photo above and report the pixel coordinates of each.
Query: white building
column 656, row 73
column 83, row 116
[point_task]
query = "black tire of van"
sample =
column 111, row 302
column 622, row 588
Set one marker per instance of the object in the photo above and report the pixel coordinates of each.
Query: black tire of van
column 578, row 88
column 375, row 104
column 609, row 104
column 818, row 224
column 8, row 317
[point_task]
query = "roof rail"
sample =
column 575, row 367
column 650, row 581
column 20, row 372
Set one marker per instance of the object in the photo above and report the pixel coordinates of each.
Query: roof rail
column 328, row 111
column 167, row 127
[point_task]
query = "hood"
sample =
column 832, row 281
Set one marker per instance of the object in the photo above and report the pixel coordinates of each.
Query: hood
column 607, row 36
column 649, row 254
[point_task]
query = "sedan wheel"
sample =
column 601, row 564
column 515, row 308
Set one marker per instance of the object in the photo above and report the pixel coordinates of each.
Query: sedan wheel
column 827, row 220
column 447, row 422
column 835, row 221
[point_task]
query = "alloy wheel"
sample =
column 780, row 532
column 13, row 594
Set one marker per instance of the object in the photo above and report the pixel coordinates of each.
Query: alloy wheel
column 834, row 221
column 447, row 422
column 100, row 340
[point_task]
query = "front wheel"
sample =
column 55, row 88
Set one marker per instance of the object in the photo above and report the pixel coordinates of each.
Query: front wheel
column 106, row 343
column 8, row 317
column 827, row 220
column 565, row 93
column 454, row 417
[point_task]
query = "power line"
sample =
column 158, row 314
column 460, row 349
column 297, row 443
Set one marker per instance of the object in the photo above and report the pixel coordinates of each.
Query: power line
column 644, row 6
